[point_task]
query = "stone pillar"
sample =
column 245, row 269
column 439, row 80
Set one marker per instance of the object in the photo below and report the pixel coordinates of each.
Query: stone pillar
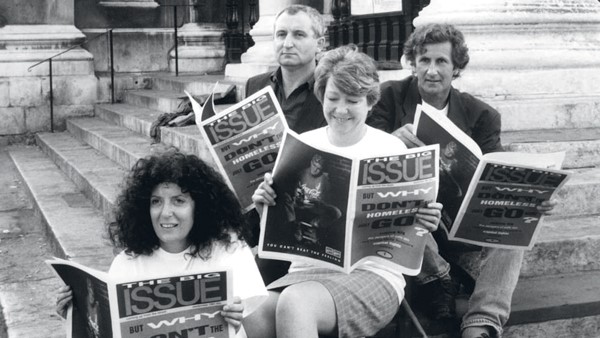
column 260, row 58
column 27, row 39
column 201, row 48
column 529, row 56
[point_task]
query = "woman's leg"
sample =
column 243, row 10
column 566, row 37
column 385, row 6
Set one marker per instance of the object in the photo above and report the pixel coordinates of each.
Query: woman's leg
column 305, row 310
column 261, row 323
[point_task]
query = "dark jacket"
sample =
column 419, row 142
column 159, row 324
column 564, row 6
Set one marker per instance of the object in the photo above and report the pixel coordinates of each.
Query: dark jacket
column 399, row 100
column 310, row 117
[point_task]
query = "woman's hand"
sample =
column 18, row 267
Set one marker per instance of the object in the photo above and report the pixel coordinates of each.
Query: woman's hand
column 264, row 194
column 547, row 207
column 233, row 313
column 429, row 217
column 64, row 300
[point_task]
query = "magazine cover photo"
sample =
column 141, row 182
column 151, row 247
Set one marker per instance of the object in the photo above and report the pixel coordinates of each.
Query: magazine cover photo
column 309, row 218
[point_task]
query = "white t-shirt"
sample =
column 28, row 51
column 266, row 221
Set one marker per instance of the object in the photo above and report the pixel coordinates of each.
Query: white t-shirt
column 247, row 281
column 433, row 110
column 374, row 143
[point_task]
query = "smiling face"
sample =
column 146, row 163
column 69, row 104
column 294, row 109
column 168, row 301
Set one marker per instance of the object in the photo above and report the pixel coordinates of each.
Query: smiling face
column 172, row 214
column 435, row 71
column 345, row 114
column 295, row 42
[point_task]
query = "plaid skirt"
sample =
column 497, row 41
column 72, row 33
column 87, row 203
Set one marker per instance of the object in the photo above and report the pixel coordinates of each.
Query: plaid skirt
column 364, row 301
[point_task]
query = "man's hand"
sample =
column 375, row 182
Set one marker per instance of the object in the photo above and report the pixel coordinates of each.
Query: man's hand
column 547, row 207
column 406, row 134
column 64, row 299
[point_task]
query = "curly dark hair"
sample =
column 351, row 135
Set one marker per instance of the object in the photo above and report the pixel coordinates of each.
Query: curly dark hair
column 217, row 212
column 438, row 33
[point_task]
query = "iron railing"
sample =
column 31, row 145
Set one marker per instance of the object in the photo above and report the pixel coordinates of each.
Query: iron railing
column 175, row 29
column 381, row 36
column 50, row 74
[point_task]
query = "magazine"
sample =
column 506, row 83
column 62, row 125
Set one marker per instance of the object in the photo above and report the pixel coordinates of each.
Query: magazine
column 243, row 140
column 489, row 200
column 187, row 305
column 337, row 212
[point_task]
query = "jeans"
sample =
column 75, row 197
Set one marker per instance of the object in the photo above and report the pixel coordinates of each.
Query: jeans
column 434, row 266
column 496, row 273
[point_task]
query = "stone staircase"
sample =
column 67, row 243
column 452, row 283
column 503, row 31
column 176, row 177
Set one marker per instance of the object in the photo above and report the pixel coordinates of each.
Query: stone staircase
column 73, row 179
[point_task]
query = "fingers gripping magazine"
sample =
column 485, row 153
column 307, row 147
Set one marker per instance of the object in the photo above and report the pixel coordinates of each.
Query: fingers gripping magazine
column 489, row 200
column 244, row 140
column 173, row 306
column 337, row 212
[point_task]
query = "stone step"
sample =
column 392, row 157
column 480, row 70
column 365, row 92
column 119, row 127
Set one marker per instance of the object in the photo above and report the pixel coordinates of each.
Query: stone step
column 137, row 119
column 26, row 284
column 94, row 174
column 165, row 101
column 551, row 112
column 579, row 196
column 564, row 245
column 119, row 144
column 566, row 305
column 198, row 84
column 582, row 145
column 73, row 226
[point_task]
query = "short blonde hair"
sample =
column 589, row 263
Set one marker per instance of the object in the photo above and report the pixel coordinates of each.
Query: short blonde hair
column 352, row 71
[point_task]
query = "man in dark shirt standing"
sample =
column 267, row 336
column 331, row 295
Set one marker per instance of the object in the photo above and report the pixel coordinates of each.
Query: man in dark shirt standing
column 298, row 35
column 297, row 38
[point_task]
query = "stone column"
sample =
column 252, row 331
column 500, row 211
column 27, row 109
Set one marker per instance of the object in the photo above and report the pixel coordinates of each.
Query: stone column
column 35, row 31
column 201, row 48
column 529, row 56
column 260, row 58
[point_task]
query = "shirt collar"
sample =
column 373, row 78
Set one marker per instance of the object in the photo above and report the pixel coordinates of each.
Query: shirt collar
column 277, row 77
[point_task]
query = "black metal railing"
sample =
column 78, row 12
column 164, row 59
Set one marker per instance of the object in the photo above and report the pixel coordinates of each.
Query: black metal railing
column 176, row 27
column 50, row 73
column 381, row 36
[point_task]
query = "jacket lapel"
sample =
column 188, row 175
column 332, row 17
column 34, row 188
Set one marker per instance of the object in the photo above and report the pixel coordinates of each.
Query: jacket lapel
column 409, row 106
column 457, row 112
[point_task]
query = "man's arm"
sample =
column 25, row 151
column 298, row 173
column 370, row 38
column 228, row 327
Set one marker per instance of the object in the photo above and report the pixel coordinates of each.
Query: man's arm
column 486, row 132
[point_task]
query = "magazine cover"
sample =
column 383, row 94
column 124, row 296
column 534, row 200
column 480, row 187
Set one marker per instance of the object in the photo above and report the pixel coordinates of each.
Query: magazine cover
column 244, row 140
column 459, row 157
column 489, row 200
column 500, row 208
column 334, row 211
column 389, row 192
column 312, row 190
column 187, row 305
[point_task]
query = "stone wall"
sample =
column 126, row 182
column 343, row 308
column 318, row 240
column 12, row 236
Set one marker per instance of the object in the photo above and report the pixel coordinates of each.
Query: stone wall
column 34, row 12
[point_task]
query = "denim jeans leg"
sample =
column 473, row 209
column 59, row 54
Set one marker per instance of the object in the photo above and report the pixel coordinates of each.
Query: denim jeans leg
column 434, row 266
column 490, row 302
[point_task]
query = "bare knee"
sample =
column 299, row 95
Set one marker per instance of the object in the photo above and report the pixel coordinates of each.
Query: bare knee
column 290, row 303
column 306, row 307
